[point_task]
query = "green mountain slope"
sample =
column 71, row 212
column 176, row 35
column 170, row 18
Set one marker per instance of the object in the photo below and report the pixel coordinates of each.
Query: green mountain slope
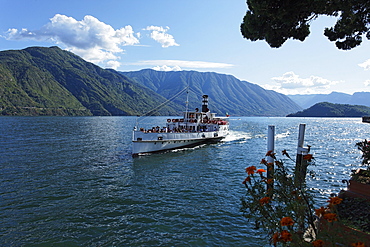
column 51, row 81
column 28, row 90
column 226, row 93
column 325, row 109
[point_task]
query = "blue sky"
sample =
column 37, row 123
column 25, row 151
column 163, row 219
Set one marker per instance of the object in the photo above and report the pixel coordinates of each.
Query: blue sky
column 184, row 35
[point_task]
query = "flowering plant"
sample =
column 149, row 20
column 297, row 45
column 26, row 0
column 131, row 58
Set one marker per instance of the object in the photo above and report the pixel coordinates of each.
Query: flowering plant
column 364, row 147
column 277, row 203
column 285, row 208
column 360, row 175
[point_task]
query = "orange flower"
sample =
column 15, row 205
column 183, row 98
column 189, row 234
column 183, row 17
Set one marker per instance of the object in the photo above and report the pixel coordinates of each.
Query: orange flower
column 250, row 170
column 286, row 221
column 308, row 157
column 330, row 217
column 358, row 244
column 286, row 236
column 264, row 200
column 335, row 200
column 279, row 164
column 318, row 243
column 263, row 161
column 269, row 181
column 321, row 211
column 283, row 236
column 270, row 153
column 259, row 171
column 276, row 238
column 247, row 179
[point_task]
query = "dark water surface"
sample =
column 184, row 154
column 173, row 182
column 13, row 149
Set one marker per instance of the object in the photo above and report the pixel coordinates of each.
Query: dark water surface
column 71, row 181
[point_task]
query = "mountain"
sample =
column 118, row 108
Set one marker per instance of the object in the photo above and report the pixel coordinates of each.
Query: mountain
column 51, row 81
column 306, row 101
column 326, row 109
column 226, row 93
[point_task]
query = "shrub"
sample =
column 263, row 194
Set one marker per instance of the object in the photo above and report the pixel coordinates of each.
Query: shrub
column 285, row 208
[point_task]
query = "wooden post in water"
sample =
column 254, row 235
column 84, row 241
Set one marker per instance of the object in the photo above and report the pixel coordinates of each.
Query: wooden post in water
column 301, row 164
column 270, row 160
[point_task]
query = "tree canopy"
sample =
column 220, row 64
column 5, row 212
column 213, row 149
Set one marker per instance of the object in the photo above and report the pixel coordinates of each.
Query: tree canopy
column 275, row 21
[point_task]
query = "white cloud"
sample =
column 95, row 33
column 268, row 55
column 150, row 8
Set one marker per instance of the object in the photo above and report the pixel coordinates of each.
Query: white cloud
column 185, row 64
column 160, row 35
column 365, row 65
column 367, row 83
column 94, row 55
column 90, row 38
column 290, row 83
column 112, row 64
column 167, row 68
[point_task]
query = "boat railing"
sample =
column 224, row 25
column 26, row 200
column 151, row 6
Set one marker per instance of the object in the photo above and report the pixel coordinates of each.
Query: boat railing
column 182, row 129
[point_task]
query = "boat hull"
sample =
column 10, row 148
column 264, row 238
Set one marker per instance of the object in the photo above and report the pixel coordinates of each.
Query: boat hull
column 144, row 143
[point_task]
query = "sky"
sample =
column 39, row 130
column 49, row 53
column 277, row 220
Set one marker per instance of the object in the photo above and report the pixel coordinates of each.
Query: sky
column 167, row 35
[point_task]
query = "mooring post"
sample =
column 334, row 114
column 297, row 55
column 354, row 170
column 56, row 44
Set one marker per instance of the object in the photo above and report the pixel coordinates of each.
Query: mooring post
column 301, row 164
column 270, row 159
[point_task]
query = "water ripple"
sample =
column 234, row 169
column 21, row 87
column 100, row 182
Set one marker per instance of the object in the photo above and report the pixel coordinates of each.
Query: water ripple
column 71, row 181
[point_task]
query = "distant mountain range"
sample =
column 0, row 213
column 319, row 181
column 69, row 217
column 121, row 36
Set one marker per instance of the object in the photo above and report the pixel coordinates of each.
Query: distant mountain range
column 51, row 81
column 326, row 109
column 306, row 101
column 227, row 94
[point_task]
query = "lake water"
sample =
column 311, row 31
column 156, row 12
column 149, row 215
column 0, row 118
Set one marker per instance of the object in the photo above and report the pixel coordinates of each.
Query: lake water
column 71, row 181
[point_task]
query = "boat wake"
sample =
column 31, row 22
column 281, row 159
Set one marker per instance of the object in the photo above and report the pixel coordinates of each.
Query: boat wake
column 282, row 135
column 187, row 148
column 237, row 136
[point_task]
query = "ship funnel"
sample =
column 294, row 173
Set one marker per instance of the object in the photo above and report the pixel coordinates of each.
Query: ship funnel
column 205, row 103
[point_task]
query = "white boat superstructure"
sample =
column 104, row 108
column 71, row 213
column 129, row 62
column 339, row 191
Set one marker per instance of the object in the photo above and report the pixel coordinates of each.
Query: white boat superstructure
column 193, row 129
